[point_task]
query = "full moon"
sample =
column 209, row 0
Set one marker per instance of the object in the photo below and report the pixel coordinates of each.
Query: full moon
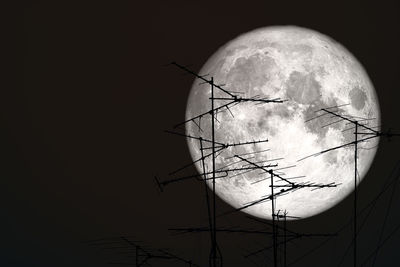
column 310, row 71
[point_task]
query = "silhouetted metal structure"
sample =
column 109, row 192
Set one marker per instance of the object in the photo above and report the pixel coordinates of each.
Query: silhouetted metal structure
column 370, row 132
column 281, row 236
column 285, row 188
column 142, row 255
column 215, row 258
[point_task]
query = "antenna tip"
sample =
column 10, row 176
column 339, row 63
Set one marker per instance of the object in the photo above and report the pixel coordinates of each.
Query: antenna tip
column 166, row 65
column 158, row 184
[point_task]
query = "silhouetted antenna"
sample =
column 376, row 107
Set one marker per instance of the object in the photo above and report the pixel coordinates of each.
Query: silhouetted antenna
column 142, row 254
column 285, row 188
column 368, row 131
column 225, row 106
column 211, row 82
column 231, row 99
column 287, row 236
column 288, row 188
column 223, row 173
column 193, row 137
column 289, row 184
column 355, row 122
column 337, row 147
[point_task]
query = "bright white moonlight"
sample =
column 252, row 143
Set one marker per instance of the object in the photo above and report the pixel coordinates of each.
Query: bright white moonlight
column 311, row 71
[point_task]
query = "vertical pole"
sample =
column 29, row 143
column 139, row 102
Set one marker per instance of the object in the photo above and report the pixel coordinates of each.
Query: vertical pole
column 214, row 245
column 273, row 220
column 355, row 194
column 137, row 257
column 206, row 191
column 284, row 239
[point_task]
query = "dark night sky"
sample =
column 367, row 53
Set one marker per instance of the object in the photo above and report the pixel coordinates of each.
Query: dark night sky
column 82, row 134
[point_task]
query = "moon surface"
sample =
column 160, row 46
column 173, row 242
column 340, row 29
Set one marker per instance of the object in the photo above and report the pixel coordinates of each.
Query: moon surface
column 309, row 70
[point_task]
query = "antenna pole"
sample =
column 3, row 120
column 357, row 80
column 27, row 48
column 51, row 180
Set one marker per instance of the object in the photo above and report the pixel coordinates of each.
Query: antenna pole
column 214, row 242
column 284, row 239
column 355, row 194
column 273, row 220
column 137, row 256
column 205, row 189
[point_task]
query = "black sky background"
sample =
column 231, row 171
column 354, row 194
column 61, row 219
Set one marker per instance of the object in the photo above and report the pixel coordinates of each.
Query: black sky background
column 82, row 134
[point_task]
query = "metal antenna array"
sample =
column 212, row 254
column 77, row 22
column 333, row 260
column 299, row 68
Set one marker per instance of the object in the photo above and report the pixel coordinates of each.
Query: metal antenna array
column 215, row 258
column 287, row 236
column 286, row 188
column 142, row 254
column 278, row 232
column 368, row 133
